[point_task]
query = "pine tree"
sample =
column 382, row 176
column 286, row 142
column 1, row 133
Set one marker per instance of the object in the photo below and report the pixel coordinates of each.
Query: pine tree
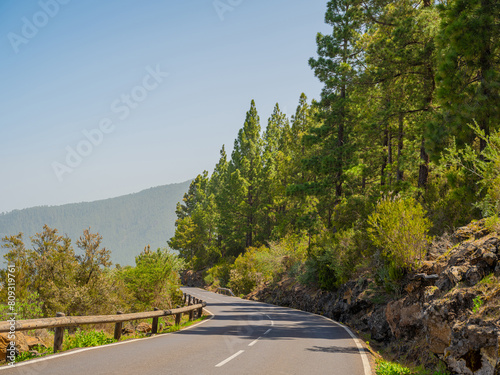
column 273, row 178
column 400, row 49
column 337, row 67
column 469, row 76
column 245, row 169
column 195, row 224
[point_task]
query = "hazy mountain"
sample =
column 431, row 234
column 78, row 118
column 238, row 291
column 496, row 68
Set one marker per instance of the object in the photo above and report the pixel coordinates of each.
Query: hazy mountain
column 128, row 223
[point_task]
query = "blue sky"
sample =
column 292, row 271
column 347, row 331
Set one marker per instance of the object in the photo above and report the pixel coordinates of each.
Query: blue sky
column 105, row 98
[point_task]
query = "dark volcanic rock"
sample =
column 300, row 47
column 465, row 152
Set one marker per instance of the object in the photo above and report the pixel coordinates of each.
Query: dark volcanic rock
column 435, row 308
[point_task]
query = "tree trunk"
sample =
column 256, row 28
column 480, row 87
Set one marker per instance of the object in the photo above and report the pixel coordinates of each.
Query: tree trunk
column 384, row 158
column 389, row 154
column 485, row 66
column 423, row 173
column 400, row 147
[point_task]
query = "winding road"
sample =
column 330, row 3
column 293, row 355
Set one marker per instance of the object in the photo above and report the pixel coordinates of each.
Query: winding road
column 242, row 337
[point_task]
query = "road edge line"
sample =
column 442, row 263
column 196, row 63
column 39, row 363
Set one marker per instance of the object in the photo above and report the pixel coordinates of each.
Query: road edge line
column 70, row 352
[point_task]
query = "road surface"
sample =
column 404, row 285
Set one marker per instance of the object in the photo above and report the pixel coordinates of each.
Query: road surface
column 243, row 337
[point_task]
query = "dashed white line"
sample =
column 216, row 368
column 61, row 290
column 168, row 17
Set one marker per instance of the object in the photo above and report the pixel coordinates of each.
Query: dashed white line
column 254, row 341
column 269, row 330
column 220, row 364
column 272, row 323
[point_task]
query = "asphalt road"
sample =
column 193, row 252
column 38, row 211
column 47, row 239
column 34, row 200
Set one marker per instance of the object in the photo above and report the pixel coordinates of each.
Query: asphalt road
column 243, row 337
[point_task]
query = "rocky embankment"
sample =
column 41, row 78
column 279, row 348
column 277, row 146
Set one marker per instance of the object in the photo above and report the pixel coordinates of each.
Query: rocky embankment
column 448, row 310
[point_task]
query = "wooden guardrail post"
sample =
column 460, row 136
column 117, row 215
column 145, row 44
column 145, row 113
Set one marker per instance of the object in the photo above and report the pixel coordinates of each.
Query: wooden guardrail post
column 154, row 326
column 185, row 298
column 189, row 300
column 58, row 335
column 191, row 312
column 118, row 328
column 178, row 317
column 200, row 310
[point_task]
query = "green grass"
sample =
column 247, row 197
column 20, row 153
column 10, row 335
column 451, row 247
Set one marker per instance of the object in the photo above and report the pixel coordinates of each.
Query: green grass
column 85, row 339
column 391, row 368
column 27, row 355
column 478, row 302
column 489, row 279
column 176, row 328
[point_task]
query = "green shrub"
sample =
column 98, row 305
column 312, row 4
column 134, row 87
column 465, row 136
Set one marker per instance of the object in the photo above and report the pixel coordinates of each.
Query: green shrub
column 399, row 228
column 388, row 368
column 83, row 339
column 154, row 281
column 244, row 274
column 219, row 274
column 263, row 264
column 478, row 302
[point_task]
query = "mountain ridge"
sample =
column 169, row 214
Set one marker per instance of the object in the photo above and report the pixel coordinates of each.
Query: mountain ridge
column 127, row 223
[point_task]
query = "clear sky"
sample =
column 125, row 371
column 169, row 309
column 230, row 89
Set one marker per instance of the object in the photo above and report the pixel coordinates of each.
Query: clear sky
column 105, row 98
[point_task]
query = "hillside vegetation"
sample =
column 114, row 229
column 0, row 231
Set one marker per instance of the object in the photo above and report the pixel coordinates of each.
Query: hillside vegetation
column 46, row 276
column 127, row 223
column 402, row 146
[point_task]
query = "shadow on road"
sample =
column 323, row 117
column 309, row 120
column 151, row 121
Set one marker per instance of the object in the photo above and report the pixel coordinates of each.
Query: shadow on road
column 338, row 349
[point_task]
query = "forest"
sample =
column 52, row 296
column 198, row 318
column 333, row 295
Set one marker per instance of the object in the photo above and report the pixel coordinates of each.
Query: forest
column 402, row 146
column 126, row 223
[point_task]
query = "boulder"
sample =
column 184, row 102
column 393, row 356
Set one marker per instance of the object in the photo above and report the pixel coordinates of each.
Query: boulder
column 128, row 329
column 143, row 327
column 34, row 341
column 42, row 334
column 403, row 320
column 20, row 340
column 437, row 329
column 490, row 258
column 474, row 275
column 474, row 349
column 379, row 327
column 455, row 274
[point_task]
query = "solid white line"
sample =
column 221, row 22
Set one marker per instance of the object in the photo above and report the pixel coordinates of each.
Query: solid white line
column 364, row 357
column 63, row 354
column 362, row 353
column 269, row 330
column 228, row 359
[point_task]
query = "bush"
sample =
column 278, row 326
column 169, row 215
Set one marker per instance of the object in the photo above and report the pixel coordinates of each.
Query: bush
column 154, row 281
column 264, row 264
column 399, row 228
column 388, row 368
column 219, row 274
column 83, row 339
column 244, row 274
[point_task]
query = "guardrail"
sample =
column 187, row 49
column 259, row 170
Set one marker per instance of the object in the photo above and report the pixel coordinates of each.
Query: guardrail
column 60, row 322
column 225, row 291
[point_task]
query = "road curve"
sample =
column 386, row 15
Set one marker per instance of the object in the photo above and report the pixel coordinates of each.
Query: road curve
column 243, row 337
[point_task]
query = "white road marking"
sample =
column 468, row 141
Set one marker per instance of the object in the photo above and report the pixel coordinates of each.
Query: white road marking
column 254, row 341
column 362, row 353
column 229, row 359
column 272, row 323
column 63, row 354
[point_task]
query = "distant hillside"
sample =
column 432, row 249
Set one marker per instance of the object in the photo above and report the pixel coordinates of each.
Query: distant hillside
column 127, row 223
